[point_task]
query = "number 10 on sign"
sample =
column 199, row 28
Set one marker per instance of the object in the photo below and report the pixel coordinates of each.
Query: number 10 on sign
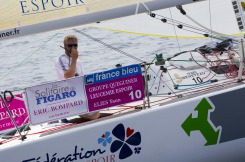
column 135, row 95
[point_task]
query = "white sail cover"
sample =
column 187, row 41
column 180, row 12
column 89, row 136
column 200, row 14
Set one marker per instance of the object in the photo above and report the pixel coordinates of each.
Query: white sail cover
column 22, row 17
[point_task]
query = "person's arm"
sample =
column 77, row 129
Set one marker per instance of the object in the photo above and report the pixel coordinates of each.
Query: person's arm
column 72, row 68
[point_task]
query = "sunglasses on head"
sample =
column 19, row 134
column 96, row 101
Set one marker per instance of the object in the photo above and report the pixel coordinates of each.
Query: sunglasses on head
column 71, row 45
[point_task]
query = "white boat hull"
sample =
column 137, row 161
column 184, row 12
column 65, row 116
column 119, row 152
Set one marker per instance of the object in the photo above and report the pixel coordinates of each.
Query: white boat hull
column 159, row 134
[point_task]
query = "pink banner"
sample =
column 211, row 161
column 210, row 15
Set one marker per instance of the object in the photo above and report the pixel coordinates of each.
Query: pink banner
column 115, row 92
column 18, row 110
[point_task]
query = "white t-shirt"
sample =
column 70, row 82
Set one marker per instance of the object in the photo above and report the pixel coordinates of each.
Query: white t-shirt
column 62, row 65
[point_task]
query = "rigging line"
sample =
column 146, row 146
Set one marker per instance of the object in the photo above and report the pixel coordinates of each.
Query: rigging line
column 27, row 57
column 197, row 84
column 193, row 28
column 177, row 23
column 194, row 60
column 217, row 33
column 144, row 5
column 210, row 19
column 154, row 80
column 175, row 30
column 171, row 79
column 187, row 29
column 109, row 46
column 192, row 31
column 209, row 86
column 211, row 31
column 162, row 81
column 186, row 25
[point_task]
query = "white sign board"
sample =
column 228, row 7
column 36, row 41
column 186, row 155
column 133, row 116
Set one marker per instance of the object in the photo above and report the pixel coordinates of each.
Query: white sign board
column 56, row 100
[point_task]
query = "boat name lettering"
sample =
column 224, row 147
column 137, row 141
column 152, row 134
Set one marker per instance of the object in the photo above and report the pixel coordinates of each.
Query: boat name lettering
column 58, row 107
column 193, row 74
column 75, row 156
column 39, row 6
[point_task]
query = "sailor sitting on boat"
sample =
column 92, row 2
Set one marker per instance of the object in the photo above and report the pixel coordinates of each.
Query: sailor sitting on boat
column 68, row 65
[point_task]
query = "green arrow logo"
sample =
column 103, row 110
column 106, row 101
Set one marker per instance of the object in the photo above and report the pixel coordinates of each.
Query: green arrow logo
column 202, row 124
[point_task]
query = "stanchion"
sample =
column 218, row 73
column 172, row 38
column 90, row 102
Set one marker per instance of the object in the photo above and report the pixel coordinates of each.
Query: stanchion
column 146, row 87
column 241, row 53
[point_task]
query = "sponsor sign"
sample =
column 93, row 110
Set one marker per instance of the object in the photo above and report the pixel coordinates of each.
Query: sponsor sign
column 70, row 97
column 56, row 100
column 120, row 143
column 114, row 87
column 18, row 110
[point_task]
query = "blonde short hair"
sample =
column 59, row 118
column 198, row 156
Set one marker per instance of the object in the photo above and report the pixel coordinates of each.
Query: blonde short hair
column 69, row 37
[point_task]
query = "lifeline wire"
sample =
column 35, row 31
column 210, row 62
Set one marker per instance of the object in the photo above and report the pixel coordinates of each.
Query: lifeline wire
column 107, row 45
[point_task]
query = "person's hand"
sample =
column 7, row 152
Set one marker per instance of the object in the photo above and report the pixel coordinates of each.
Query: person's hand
column 74, row 53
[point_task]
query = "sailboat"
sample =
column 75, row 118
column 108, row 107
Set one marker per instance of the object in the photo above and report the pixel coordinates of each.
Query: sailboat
column 191, row 109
